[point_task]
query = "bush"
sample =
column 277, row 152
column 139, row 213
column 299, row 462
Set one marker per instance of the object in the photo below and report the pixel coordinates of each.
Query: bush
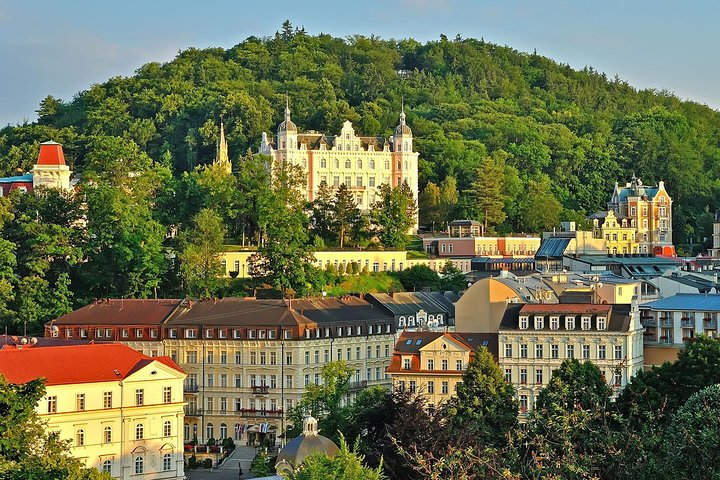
column 207, row 463
column 228, row 444
column 192, row 462
column 210, row 442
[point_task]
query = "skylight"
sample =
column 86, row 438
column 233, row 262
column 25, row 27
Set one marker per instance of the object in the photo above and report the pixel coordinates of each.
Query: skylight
column 419, row 341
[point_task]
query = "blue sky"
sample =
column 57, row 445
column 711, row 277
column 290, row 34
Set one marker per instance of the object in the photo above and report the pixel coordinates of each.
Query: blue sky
column 60, row 48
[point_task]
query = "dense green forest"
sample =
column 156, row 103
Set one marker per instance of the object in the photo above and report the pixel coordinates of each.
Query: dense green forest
column 511, row 138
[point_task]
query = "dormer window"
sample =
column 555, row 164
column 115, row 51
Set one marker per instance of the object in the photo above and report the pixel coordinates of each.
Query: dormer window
column 523, row 323
column 601, row 323
column 586, row 323
column 554, row 323
column 539, row 323
column 569, row 323
column 190, row 333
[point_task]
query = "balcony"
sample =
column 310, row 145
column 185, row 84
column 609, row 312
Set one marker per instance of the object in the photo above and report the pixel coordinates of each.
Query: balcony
column 666, row 321
column 191, row 411
column 666, row 339
column 709, row 323
column 257, row 413
column 260, row 389
column 687, row 322
column 353, row 386
column 191, row 388
column 648, row 321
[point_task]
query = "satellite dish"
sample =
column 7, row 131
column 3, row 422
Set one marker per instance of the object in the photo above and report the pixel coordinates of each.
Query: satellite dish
column 33, row 341
column 23, row 341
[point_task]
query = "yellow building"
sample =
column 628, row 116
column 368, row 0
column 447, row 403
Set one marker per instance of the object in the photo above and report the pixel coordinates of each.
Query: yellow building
column 121, row 411
column 361, row 163
column 638, row 220
column 534, row 339
column 431, row 364
column 247, row 361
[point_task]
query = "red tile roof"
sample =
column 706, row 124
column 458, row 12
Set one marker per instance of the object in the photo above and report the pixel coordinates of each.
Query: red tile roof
column 74, row 364
column 121, row 312
column 564, row 308
column 51, row 153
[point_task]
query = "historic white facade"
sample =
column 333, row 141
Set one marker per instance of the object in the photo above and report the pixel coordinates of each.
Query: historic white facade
column 361, row 163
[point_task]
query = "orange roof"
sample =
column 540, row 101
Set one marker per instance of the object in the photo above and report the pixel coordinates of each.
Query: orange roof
column 51, row 153
column 74, row 364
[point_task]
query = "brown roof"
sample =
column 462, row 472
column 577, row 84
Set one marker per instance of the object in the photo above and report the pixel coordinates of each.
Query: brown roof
column 121, row 312
column 410, row 343
column 14, row 340
column 619, row 316
column 561, row 308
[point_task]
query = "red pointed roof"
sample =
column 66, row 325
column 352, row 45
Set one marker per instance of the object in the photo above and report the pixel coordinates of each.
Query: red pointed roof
column 74, row 364
column 51, row 153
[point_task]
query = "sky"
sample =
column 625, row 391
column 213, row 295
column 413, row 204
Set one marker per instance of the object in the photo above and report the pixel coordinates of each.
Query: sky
column 61, row 48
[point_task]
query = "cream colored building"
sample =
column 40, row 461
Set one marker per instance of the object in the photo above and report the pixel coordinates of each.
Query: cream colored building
column 121, row 411
column 534, row 339
column 431, row 364
column 361, row 163
column 247, row 361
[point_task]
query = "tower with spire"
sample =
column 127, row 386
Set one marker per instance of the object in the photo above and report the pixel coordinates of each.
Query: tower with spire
column 222, row 158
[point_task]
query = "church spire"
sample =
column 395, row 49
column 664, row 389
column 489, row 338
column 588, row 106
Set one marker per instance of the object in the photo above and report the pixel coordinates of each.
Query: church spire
column 287, row 107
column 402, row 110
column 222, row 157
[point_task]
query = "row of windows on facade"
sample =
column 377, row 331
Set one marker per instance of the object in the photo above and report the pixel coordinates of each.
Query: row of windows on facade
column 444, row 365
column 375, row 265
column 570, row 323
column 265, row 381
column 411, row 320
column 270, row 358
column 111, row 334
column 139, row 464
column 569, row 351
column 262, row 334
column 430, row 386
column 616, row 375
column 107, row 399
column 107, row 434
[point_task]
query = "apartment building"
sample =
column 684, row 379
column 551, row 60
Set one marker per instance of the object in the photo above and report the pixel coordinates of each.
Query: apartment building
column 121, row 411
column 534, row 339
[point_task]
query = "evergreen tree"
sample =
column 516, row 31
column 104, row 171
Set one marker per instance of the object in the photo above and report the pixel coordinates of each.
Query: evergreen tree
column 429, row 206
column 200, row 258
column 346, row 214
column 487, row 194
column 322, row 213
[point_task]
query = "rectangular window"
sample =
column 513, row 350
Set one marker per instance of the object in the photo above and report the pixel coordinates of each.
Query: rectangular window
column 523, row 350
column 80, row 402
column 508, row 375
column 601, row 352
column 444, row 364
column 288, row 358
column 554, row 351
column 406, row 364
column 538, row 351
column 172, row 333
column 138, row 333
column 238, row 357
column 431, row 386
column 238, row 380
column 618, row 352
column 210, row 382
column 167, row 394
column 586, row 323
column 251, row 334
column 602, row 323
column 554, row 323
column 431, row 364
column 508, row 350
column 139, row 397
column 539, row 323
column 570, row 351
column 569, row 323
column 523, row 375
column 253, row 358
column 617, row 378
column 523, row 403
column 223, row 358
column 52, row 404
column 371, row 182
column 107, row 400
column 523, row 323
column 444, row 388
column 458, row 365
column 412, row 386
column 210, row 357
column 586, row 352
column 223, row 379
column 538, row 376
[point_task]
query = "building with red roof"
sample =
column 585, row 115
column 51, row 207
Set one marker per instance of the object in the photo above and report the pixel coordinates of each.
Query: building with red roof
column 122, row 411
column 50, row 171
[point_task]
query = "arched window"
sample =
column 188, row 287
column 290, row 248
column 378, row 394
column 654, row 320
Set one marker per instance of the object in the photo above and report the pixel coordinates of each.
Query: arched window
column 107, row 466
column 237, row 431
column 359, row 164
column 209, row 431
column 223, row 430
column 323, row 163
column 371, row 164
column 139, row 465
column 80, row 437
column 167, row 428
column 107, row 435
column 139, row 431
column 336, row 163
column 348, row 164
column 167, row 462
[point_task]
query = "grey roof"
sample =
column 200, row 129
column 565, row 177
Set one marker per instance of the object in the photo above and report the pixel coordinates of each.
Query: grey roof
column 700, row 284
column 552, row 247
column 405, row 303
column 303, row 446
column 619, row 321
column 691, row 302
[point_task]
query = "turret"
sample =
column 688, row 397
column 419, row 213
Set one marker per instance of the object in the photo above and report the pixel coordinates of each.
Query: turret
column 50, row 169
column 287, row 130
column 402, row 139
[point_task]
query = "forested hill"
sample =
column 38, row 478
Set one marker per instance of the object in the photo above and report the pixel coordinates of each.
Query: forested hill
column 550, row 131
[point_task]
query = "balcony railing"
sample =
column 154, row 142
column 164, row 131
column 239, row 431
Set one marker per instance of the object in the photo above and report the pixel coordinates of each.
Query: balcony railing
column 191, row 388
column 256, row 413
column 687, row 322
column 260, row 389
column 357, row 385
column 709, row 323
column 193, row 411
column 648, row 322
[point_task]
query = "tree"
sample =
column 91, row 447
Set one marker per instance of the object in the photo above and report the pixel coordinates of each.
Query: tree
column 394, row 214
column 539, row 210
column 486, row 191
column 448, row 199
column 484, row 405
column 27, row 451
column 346, row 464
column 346, row 214
column 418, row 277
column 321, row 213
column 428, row 205
column 691, row 447
column 200, row 258
column 452, row 278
